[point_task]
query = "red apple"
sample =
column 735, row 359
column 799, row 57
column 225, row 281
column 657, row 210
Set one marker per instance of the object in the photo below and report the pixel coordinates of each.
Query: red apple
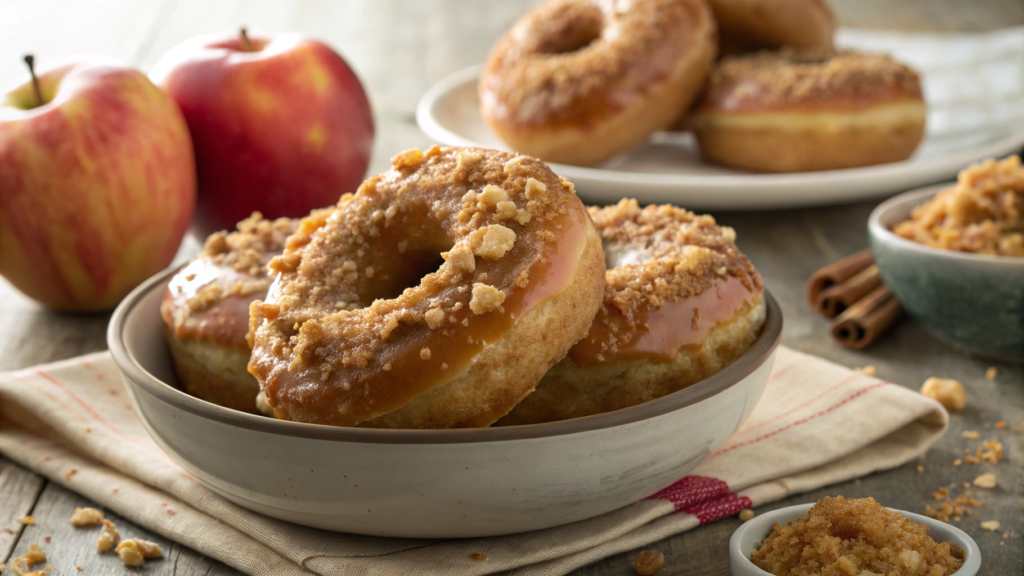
column 280, row 126
column 97, row 184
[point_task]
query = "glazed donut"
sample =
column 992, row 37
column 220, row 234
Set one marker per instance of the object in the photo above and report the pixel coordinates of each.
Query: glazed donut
column 797, row 111
column 577, row 81
column 435, row 297
column 681, row 303
column 206, row 310
column 747, row 25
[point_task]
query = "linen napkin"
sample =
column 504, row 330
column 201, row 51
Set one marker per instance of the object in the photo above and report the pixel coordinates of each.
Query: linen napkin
column 817, row 424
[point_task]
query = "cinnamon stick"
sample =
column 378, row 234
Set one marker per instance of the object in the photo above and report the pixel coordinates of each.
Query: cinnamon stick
column 864, row 321
column 837, row 273
column 833, row 301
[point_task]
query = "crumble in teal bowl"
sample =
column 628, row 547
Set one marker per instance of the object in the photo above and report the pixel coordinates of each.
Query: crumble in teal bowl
column 975, row 302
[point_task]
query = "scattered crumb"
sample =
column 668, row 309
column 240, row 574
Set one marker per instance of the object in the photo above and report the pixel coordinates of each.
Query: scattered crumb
column 957, row 462
column 109, row 537
column 991, row 373
column 48, row 538
column 134, row 552
column 1000, row 425
column 970, row 435
column 990, row 525
column 960, row 506
column 746, row 514
column 130, row 555
column 986, row 480
column 947, row 392
column 485, row 298
column 868, row 370
column 434, row 318
column 424, row 353
column 27, row 520
column 86, row 517
column 34, row 555
column 477, row 557
column 649, row 562
column 920, row 468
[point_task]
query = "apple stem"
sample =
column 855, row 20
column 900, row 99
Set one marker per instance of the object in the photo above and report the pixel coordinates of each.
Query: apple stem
column 30, row 60
column 244, row 36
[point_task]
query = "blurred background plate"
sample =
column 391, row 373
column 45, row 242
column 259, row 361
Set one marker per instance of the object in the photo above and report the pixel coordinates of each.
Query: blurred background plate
column 973, row 84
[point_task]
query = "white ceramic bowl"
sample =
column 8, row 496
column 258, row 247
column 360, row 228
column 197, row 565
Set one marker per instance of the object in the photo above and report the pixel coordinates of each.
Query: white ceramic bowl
column 744, row 539
column 431, row 483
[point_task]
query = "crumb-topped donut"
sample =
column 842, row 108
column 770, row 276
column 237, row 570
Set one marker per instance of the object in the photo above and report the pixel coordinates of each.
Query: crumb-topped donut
column 206, row 310
column 746, row 25
column 577, row 81
column 435, row 297
column 681, row 302
column 801, row 110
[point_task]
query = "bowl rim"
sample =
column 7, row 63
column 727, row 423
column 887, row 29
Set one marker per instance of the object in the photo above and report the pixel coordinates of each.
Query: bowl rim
column 758, row 353
column 917, row 197
column 970, row 567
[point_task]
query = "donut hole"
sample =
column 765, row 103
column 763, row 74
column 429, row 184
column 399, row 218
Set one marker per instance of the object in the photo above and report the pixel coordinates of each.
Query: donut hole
column 573, row 33
column 402, row 260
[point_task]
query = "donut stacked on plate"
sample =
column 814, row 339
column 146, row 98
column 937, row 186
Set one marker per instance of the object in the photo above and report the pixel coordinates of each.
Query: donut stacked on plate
column 460, row 288
column 579, row 81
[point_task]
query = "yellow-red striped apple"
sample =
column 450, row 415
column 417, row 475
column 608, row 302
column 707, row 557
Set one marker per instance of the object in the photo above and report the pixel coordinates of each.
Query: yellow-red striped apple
column 280, row 125
column 97, row 184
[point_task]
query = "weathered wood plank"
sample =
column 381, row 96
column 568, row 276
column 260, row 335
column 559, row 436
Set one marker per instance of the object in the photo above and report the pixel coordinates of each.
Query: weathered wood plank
column 68, row 548
column 19, row 490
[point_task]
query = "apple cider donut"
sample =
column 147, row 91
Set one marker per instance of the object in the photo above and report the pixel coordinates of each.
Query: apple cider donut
column 435, row 297
column 746, row 25
column 206, row 310
column 803, row 110
column 681, row 302
column 578, row 81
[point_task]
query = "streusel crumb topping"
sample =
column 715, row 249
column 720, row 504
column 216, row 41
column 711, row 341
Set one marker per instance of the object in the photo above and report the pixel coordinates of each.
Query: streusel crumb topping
column 795, row 77
column 662, row 254
column 456, row 239
column 559, row 62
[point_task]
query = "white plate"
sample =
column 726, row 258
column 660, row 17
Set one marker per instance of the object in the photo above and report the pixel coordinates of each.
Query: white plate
column 974, row 85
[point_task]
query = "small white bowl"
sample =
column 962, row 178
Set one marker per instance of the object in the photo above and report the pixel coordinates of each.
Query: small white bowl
column 745, row 538
column 432, row 483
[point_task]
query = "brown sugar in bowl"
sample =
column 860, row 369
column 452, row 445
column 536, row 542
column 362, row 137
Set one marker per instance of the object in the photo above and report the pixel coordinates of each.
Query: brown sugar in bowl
column 754, row 532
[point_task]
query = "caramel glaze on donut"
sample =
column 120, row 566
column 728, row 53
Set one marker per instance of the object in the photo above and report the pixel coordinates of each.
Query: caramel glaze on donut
column 681, row 302
column 746, row 25
column 362, row 327
column 577, row 81
column 206, row 310
column 800, row 110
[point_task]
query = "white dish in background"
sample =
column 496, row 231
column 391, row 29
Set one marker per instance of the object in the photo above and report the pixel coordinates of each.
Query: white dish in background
column 754, row 531
column 973, row 83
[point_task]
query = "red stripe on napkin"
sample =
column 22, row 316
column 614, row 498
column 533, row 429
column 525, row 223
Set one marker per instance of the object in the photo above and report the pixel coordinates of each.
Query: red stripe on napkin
column 719, row 507
column 706, row 498
column 692, row 490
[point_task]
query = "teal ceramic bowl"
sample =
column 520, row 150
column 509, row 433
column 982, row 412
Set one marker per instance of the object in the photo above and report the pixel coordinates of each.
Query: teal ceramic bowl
column 973, row 302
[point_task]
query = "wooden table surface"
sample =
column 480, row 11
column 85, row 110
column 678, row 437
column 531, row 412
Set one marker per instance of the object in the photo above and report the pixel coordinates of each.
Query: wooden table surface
column 400, row 49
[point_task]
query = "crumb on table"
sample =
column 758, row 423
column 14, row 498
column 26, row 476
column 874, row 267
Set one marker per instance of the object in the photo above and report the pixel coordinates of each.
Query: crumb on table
column 649, row 562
